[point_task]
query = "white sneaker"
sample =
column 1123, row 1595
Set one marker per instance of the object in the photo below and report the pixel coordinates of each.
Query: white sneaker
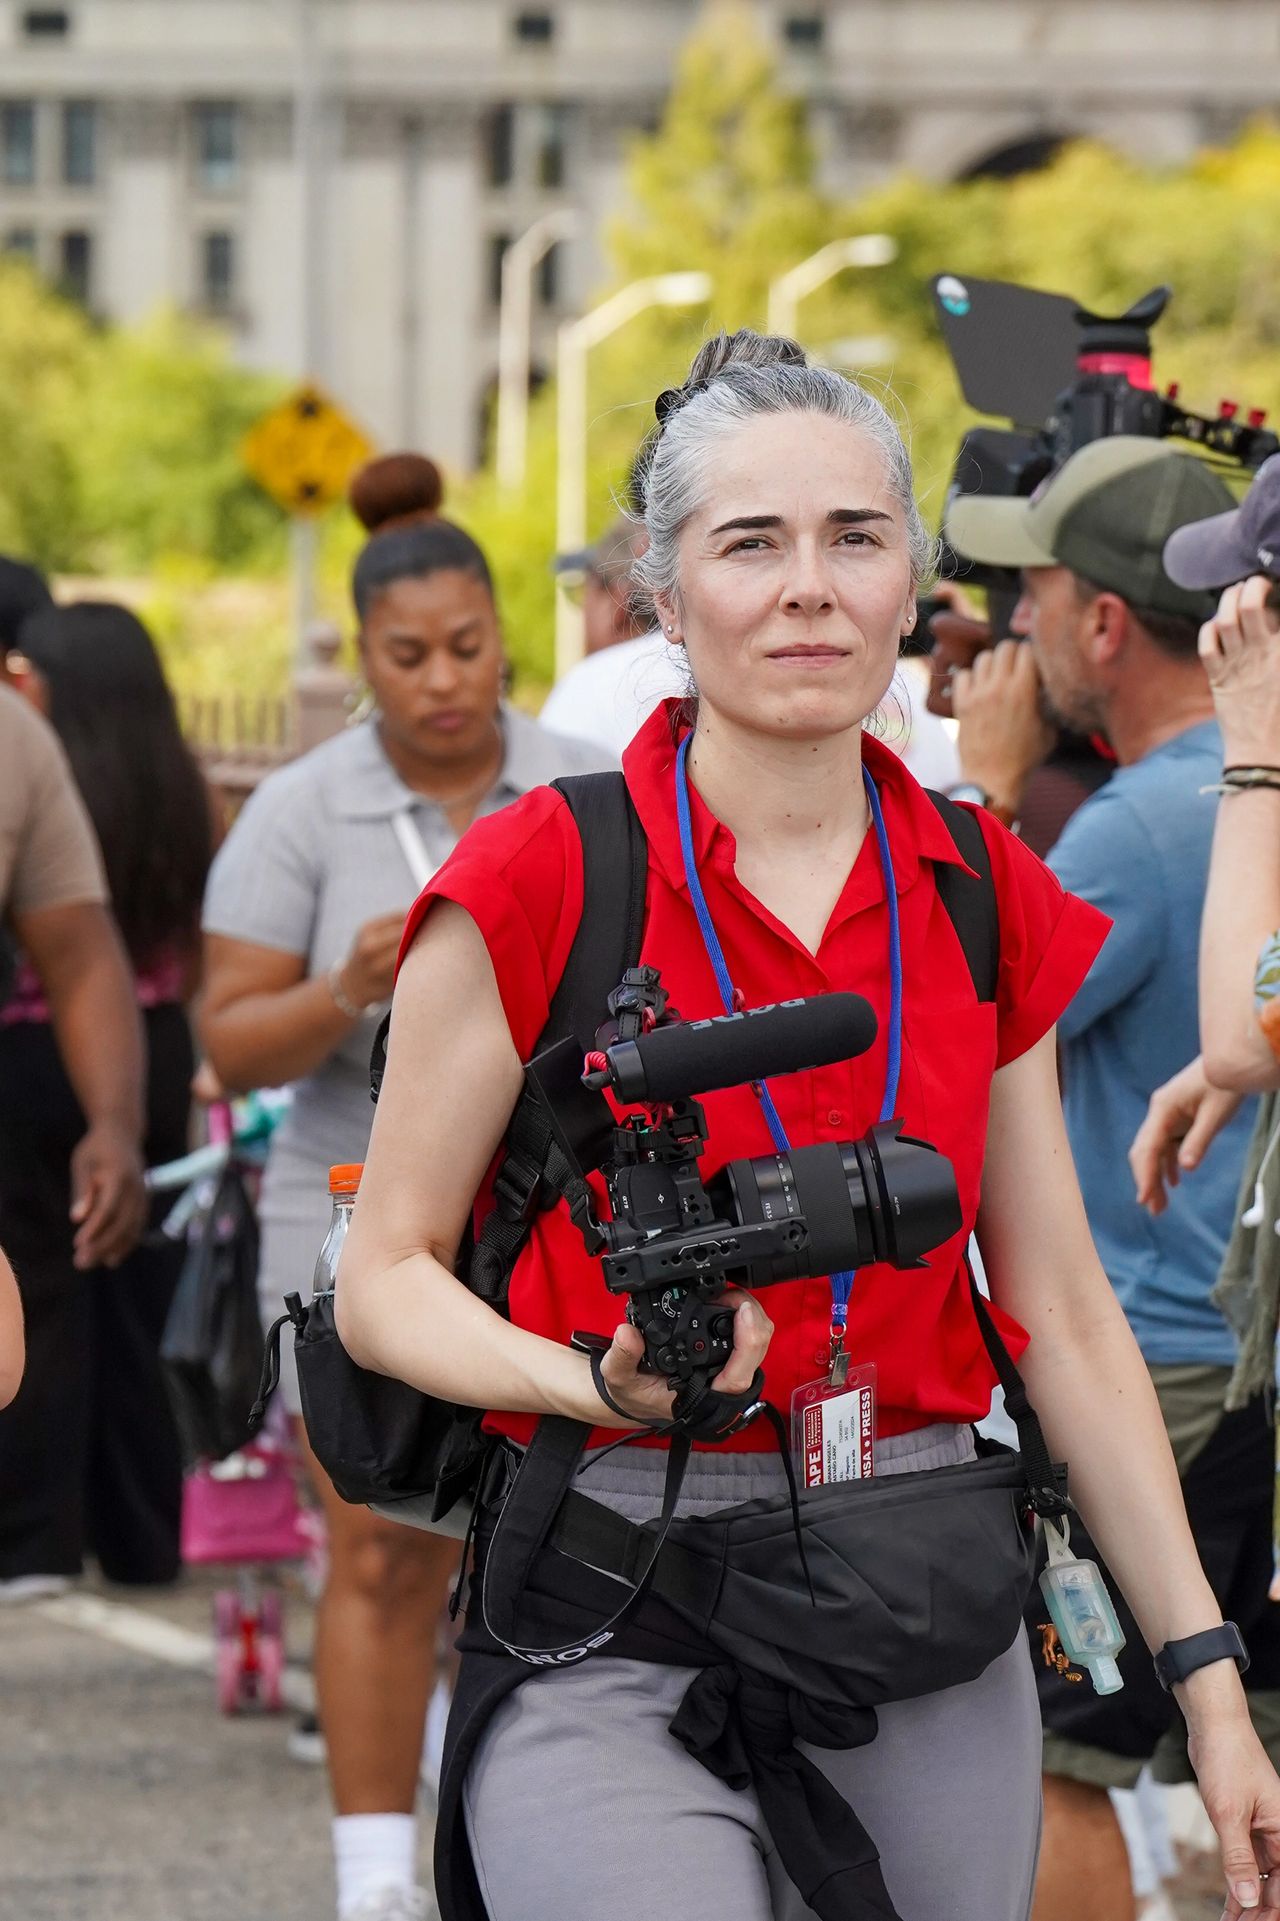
column 392, row 1904
column 32, row 1587
column 306, row 1742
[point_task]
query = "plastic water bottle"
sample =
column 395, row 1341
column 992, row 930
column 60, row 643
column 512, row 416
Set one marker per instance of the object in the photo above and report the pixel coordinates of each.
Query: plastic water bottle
column 344, row 1185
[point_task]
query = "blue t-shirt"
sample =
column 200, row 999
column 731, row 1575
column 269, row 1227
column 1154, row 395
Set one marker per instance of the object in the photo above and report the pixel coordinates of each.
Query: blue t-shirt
column 1139, row 849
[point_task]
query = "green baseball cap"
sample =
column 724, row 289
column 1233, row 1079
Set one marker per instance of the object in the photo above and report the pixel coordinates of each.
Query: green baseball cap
column 1106, row 513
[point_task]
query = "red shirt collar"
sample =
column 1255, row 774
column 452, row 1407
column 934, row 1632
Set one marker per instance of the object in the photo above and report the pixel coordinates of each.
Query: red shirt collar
column 915, row 828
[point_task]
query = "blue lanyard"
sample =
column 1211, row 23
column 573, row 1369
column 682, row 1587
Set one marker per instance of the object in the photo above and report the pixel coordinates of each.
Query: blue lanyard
column 841, row 1284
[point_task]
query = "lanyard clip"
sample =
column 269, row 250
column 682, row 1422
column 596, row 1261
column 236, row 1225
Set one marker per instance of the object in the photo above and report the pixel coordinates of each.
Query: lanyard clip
column 839, row 1371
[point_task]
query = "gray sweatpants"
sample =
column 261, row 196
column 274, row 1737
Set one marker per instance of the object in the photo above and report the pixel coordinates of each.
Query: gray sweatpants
column 580, row 1806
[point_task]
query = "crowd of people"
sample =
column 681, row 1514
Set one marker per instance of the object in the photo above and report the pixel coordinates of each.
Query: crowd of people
column 809, row 796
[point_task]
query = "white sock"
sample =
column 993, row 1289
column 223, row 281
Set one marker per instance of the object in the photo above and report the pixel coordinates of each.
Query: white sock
column 372, row 1852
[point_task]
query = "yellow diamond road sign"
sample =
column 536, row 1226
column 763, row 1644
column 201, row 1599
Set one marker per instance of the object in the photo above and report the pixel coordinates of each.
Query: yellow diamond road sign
column 305, row 451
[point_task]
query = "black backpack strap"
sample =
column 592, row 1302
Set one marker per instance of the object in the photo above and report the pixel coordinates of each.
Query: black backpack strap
column 534, row 1171
column 615, row 868
column 970, row 899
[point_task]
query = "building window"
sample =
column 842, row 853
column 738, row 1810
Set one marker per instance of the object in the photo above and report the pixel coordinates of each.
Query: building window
column 526, row 145
column 534, row 29
column 79, row 143
column 75, row 266
column 217, row 272
column 18, row 143
column 804, row 30
column 21, row 241
column 46, row 23
column 498, row 244
column 550, row 127
column 549, row 277
column 500, row 145
column 217, row 145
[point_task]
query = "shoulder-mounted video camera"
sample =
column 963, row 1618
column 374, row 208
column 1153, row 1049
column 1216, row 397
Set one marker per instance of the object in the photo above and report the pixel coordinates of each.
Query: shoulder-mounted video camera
column 1062, row 376
column 673, row 1241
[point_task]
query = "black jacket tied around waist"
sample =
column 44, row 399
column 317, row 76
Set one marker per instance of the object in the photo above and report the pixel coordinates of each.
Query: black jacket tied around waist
column 919, row 1581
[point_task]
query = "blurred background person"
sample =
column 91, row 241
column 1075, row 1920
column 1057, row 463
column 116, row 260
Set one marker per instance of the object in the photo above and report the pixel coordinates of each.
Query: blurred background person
column 89, row 1455
column 23, row 591
column 1112, row 641
column 1240, row 646
column 628, row 668
column 1240, row 932
column 53, row 909
column 303, row 917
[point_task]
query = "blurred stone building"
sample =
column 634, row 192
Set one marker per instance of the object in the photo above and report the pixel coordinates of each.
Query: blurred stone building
column 336, row 179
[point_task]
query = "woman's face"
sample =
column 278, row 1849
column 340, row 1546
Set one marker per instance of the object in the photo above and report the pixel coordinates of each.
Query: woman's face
column 795, row 579
column 432, row 653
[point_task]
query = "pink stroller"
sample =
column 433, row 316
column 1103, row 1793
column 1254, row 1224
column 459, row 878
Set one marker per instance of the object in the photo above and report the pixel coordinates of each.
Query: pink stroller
column 240, row 1505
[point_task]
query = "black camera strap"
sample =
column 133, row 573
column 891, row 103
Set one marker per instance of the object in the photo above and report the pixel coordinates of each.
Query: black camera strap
column 528, row 1513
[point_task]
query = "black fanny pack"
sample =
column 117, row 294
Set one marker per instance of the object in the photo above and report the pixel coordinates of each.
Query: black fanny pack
column 802, row 1613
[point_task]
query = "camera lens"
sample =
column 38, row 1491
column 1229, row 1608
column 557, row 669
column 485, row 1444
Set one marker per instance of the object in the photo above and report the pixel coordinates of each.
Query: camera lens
column 882, row 1198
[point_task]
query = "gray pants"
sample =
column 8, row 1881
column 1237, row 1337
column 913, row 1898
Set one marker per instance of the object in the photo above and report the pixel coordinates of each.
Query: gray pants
column 581, row 1807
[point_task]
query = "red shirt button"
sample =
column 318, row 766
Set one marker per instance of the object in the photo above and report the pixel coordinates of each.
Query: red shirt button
column 822, row 1357
column 835, row 1118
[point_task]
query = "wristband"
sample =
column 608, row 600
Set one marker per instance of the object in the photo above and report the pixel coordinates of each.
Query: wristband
column 1244, row 784
column 1178, row 1660
column 1249, row 767
column 341, row 999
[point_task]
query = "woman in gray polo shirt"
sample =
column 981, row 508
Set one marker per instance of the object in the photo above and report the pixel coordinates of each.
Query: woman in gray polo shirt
column 302, row 919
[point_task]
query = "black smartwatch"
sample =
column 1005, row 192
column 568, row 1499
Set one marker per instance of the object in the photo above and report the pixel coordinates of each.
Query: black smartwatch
column 1178, row 1659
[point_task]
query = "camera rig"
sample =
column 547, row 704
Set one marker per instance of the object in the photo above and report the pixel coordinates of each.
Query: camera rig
column 1064, row 376
column 672, row 1243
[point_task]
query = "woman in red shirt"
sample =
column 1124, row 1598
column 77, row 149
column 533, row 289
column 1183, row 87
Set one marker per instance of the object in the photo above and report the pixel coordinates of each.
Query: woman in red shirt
column 784, row 553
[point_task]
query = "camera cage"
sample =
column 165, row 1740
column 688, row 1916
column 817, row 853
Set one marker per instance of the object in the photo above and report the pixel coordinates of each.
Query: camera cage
column 672, row 1241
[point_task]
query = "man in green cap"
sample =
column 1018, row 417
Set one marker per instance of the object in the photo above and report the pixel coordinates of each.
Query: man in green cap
column 1109, row 646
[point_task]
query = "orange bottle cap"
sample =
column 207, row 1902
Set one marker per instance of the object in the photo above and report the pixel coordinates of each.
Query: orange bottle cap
column 345, row 1178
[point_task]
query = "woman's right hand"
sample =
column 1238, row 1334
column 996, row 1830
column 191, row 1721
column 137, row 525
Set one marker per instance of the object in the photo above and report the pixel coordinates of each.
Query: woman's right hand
column 368, row 974
column 647, row 1396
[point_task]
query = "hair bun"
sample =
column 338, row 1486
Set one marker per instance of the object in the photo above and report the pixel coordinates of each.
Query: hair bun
column 745, row 348
column 395, row 489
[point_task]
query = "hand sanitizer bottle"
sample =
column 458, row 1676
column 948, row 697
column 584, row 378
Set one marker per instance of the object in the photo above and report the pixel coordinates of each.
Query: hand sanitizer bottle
column 1082, row 1612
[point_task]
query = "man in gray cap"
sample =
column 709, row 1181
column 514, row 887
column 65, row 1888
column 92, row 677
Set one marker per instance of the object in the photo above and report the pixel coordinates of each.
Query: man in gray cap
column 602, row 575
column 1110, row 647
column 628, row 667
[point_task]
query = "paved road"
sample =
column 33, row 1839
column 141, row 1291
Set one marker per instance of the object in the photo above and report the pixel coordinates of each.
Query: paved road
column 125, row 1796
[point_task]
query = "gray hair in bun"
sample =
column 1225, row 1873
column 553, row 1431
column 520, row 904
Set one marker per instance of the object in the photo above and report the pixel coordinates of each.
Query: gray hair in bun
column 733, row 378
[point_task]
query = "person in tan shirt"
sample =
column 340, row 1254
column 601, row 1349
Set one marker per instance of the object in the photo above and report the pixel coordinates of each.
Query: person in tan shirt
column 53, row 906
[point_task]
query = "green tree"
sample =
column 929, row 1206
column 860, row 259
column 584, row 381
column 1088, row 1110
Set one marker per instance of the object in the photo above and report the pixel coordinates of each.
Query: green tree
column 161, row 418
column 45, row 351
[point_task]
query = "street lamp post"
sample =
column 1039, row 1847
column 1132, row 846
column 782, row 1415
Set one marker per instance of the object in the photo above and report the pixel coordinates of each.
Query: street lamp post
column 311, row 130
column 790, row 288
column 515, row 329
column 575, row 341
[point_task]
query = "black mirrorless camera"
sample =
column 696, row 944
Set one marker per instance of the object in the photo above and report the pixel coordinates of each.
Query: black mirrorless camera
column 673, row 1241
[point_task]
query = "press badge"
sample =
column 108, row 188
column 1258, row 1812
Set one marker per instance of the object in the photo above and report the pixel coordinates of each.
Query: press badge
column 833, row 1425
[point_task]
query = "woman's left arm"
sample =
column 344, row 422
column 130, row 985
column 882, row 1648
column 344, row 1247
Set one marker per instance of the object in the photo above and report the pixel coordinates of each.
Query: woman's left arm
column 1090, row 1386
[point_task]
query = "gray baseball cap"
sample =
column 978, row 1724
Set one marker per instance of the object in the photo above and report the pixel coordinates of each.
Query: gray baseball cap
column 609, row 559
column 1106, row 513
column 1229, row 547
